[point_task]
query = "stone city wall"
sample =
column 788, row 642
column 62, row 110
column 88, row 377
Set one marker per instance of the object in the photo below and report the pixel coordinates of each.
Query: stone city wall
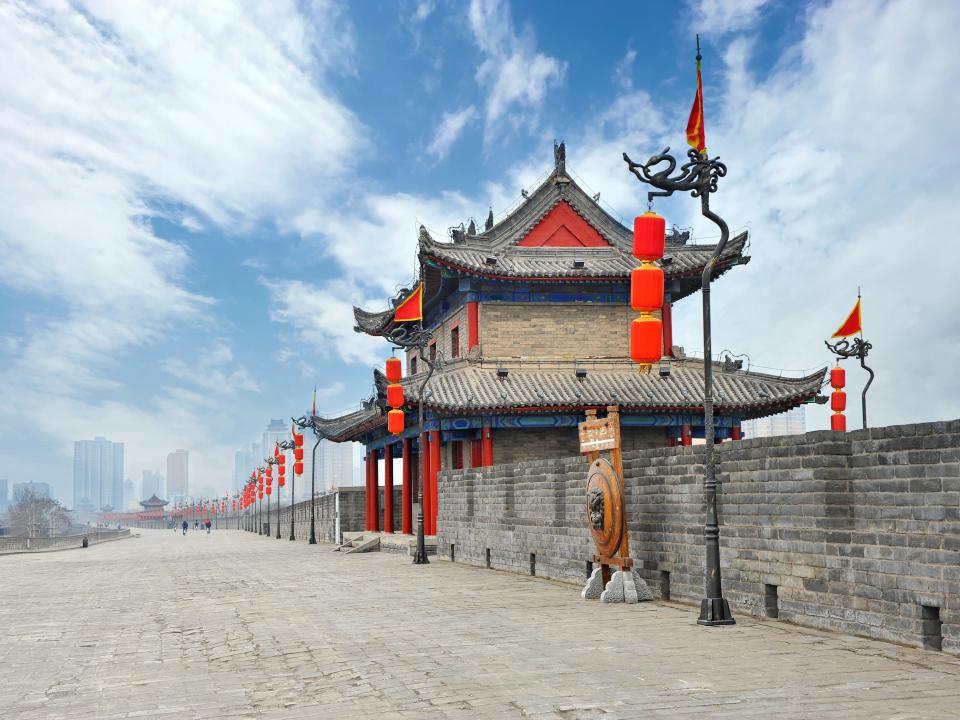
column 20, row 544
column 855, row 532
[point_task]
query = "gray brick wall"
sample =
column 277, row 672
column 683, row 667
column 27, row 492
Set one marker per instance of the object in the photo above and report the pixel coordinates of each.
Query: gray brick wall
column 857, row 532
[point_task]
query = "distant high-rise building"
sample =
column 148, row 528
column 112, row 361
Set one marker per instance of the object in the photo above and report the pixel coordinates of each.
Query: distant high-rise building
column 151, row 484
column 4, row 493
column 97, row 474
column 245, row 462
column 792, row 422
column 336, row 463
column 178, row 475
column 129, row 502
column 37, row 489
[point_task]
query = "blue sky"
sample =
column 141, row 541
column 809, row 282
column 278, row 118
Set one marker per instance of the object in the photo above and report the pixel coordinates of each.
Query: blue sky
column 194, row 194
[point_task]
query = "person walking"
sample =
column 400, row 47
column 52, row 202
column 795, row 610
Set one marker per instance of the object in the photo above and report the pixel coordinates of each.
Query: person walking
column 185, row 526
column 208, row 526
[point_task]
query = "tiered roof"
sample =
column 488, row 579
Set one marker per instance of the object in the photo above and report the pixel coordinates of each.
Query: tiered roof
column 470, row 386
column 510, row 250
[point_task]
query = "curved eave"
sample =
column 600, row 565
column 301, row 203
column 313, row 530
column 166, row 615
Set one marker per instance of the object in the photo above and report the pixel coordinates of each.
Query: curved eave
column 722, row 266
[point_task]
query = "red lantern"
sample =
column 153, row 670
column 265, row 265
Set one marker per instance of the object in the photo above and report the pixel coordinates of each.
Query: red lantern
column 838, row 377
column 649, row 236
column 298, row 454
column 646, row 339
column 269, row 471
column 838, row 401
column 395, row 395
column 395, row 422
column 234, row 505
column 394, row 370
column 646, row 288
column 260, row 493
column 269, row 489
column 838, row 422
column 281, row 459
column 280, row 481
column 298, row 440
column 298, row 467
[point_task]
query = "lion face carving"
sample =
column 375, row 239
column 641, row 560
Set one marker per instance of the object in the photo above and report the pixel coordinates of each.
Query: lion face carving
column 595, row 505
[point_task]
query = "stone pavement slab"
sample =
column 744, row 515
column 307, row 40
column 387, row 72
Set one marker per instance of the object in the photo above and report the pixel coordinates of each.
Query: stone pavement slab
column 233, row 625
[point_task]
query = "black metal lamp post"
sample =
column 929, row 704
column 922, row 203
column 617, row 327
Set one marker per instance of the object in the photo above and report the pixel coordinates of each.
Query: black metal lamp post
column 260, row 470
column 313, row 422
column 699, row 177
column 271, row 461
column 409, row 338
column 288, row 445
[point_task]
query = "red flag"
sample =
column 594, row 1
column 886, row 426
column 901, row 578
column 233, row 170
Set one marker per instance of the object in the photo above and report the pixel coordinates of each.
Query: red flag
column 410, row 309
column 852, row 325
column 696, row 135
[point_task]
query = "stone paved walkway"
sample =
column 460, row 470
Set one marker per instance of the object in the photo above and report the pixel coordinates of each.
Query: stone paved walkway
column 238, row 626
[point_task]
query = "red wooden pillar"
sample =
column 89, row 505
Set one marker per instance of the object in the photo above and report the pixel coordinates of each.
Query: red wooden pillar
column 666, row 318
column 425, row 479
column 434, row 470
column 388, row 488
column 476, row 453
column 406, row 502
column 368, row 496
column 736, row 433
column 486, row 443
column 473, row 325
column 375, row 484
column 671, row 441
column 685, row 438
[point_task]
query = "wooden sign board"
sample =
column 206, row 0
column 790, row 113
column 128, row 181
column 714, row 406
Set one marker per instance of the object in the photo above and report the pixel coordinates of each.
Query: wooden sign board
column 599, row 434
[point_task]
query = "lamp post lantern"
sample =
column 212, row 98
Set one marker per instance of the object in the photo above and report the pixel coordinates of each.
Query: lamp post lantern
column 289, row 445
column 271, row 462
column 699, row 176
column 313, row 422
column 416, row 337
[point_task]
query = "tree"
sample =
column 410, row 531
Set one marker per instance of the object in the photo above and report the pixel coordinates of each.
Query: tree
column 36, row 515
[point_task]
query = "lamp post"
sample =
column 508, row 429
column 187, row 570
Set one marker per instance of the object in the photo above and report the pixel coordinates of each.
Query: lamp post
column 699, row 177
column 289, row 445
column 313, row 422
column 270, row 461
column 260, row 470
column 416, row 337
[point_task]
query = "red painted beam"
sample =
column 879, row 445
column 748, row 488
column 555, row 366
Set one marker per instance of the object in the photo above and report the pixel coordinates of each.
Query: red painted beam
column 486, row 440
column 434, row 470
column 425, row 479
column 473, row 325
column 388, row 489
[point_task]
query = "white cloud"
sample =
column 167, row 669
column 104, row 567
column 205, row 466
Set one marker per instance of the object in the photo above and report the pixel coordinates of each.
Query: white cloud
column 206, row 370
column 513, row 74
column 451, row 126
column 119, row 113
column 623, row 70
column 422, row 11
column 725, row 16
column 322, row 319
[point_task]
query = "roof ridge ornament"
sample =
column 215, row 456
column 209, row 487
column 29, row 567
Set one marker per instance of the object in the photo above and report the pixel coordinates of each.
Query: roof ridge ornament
column 559, row 158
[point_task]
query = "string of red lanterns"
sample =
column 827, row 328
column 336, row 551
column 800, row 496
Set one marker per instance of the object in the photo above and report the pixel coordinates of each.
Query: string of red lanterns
column 394, row 396
column 646, row 290
column 838, row 399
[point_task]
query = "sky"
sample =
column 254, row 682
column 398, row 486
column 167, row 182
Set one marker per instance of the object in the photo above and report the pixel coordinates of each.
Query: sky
column 193, row 195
